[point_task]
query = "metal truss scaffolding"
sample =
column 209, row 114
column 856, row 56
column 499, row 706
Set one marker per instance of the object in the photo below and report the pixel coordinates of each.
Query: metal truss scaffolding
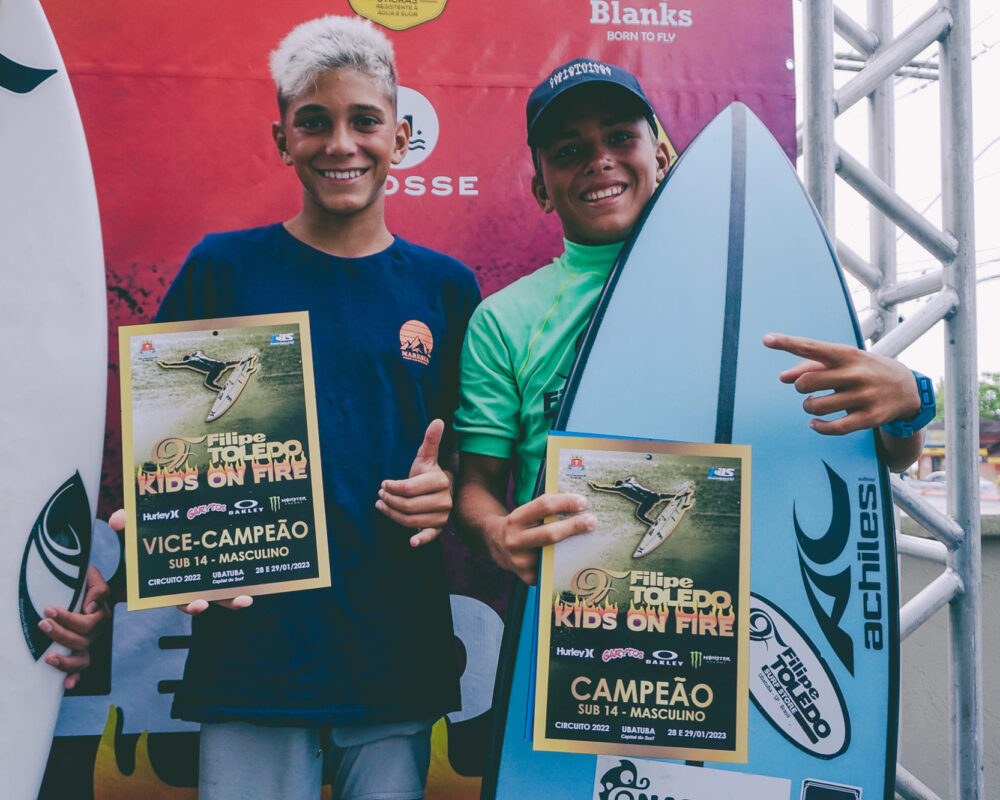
column 956, row 544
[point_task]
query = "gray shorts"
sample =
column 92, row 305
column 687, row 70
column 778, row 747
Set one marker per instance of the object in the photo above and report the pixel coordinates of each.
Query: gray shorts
column 242, row 761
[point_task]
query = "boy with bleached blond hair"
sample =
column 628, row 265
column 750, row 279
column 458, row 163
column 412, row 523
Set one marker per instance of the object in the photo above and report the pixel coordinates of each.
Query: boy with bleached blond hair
column 326, row 44
column 355, row 674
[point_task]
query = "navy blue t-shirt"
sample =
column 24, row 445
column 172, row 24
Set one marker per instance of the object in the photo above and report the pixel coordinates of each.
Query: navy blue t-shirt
column 377, row 646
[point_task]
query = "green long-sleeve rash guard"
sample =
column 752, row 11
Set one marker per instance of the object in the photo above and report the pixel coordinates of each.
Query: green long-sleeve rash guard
column 517, row 355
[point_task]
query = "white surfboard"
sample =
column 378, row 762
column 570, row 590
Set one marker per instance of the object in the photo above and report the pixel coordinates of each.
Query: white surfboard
column 54, row 316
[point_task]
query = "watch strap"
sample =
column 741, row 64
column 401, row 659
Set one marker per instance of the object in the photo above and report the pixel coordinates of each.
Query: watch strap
column 904, row 428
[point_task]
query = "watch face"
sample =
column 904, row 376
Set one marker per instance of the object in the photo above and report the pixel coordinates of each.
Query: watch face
column 928, row 408
column 926, row 389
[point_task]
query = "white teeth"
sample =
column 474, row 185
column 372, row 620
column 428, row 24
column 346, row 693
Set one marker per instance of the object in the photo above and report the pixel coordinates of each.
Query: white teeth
column 342, row 174
column 614, row 191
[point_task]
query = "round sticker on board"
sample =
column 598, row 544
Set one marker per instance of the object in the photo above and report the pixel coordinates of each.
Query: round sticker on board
column 792, row 685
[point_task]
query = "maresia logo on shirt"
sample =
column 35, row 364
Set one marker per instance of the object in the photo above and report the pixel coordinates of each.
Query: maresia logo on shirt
column 416, row 342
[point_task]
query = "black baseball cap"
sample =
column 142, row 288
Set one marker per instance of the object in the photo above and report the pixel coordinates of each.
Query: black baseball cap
column 576, row 73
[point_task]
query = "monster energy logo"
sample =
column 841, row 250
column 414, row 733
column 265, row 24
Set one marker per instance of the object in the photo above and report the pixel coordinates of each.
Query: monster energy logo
column 695, row 658
column 275, row 502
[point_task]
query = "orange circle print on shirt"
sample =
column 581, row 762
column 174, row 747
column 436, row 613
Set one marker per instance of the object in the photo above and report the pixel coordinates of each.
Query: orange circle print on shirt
column 416, row 342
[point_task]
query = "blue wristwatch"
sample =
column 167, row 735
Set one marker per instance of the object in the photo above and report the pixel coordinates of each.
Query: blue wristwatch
column 905, row 428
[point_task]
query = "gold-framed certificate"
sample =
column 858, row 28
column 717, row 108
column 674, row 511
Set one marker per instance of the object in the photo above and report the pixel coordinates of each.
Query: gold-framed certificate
column 220, row 448
column 643, row 627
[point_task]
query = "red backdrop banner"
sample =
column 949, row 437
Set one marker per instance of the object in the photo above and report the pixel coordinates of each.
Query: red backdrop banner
column 177, row 105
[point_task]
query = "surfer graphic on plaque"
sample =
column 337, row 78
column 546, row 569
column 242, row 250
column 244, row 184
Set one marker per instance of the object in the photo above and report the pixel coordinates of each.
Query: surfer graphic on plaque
column 213, row 369
column 664, row 523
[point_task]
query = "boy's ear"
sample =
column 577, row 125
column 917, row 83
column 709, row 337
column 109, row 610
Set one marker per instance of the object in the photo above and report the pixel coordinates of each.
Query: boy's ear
column 402, row 142
column 541, row 194
column 662, row 160
column 278, row 134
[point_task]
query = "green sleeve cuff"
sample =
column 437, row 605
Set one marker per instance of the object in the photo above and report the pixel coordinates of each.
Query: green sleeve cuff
column 485, row 445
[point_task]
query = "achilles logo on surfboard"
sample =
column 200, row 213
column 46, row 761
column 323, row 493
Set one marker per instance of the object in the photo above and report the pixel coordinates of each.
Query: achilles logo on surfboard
column 827, row 578
column 792, row 685
column 55, row 560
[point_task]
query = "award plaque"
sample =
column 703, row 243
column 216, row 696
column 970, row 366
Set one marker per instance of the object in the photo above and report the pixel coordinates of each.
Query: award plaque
column 643, row 630
column 223, row 490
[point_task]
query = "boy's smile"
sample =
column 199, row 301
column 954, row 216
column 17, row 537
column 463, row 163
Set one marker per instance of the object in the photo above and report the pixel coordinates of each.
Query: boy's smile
column 341, row 137
column 599, row 165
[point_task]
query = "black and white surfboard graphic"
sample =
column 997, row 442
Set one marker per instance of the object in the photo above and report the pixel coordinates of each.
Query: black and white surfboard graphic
column 20, row 79
column 54, row 565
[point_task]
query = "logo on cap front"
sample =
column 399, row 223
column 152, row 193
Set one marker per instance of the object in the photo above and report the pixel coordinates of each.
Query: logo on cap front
column 578, row 68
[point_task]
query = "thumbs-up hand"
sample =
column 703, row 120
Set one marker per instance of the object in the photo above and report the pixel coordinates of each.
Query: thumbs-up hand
column 423, row 500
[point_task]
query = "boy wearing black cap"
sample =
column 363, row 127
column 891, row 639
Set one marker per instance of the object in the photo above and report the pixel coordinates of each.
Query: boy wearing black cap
column 592, row 133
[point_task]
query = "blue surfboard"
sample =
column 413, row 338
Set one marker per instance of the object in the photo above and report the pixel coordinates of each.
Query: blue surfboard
column 729, row 249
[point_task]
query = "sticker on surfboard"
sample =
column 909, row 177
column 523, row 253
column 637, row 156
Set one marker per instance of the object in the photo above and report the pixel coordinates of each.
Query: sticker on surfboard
column 55, row 560
column 618, row 778
column 792, row 686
